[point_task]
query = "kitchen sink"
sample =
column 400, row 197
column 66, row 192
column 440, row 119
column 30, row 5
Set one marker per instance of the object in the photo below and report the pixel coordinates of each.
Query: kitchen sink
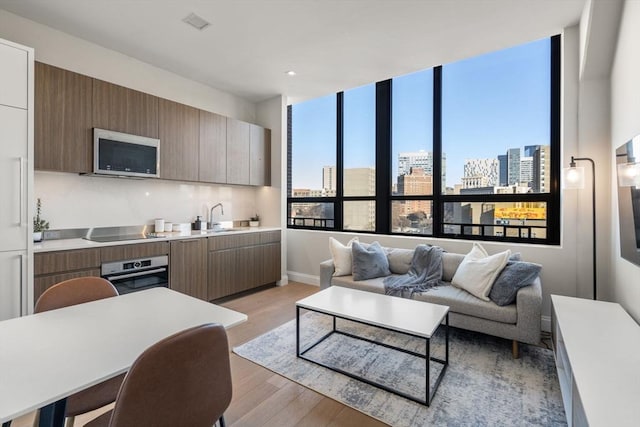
column 222, row 230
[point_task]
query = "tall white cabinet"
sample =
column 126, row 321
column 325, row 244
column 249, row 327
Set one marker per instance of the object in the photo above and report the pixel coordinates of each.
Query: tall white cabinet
column 16, row 179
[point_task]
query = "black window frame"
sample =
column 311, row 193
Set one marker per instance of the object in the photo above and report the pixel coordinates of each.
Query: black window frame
column 384, row 197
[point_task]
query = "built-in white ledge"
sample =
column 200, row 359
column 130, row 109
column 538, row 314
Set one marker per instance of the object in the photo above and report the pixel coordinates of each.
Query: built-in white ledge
column 597, row 350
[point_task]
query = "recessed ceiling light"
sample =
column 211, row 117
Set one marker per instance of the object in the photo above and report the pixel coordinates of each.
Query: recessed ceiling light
column 290, row 73
column 196, row 22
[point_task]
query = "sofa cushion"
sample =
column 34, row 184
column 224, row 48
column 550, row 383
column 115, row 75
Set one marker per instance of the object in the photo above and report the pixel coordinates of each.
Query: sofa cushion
column 369, row 262
column 461, row 301
column 450, row 263
column 516, row 275
column 399, row 260
column 341, row 255
column 371, row 285
column 479, row 270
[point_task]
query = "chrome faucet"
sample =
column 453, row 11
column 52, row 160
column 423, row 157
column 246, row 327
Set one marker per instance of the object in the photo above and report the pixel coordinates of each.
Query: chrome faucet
column 211, row 222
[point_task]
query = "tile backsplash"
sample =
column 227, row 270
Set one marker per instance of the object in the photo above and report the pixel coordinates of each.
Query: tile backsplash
column 75, row 201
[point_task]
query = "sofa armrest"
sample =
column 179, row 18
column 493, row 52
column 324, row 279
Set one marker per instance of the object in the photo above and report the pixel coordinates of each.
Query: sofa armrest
column 326, row 272
column 529, row 307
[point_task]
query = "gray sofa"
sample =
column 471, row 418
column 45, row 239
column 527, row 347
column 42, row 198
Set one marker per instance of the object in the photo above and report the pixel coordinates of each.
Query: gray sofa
column 519, row 322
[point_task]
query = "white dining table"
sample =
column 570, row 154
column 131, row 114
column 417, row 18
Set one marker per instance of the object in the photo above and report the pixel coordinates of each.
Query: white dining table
column 47, row 356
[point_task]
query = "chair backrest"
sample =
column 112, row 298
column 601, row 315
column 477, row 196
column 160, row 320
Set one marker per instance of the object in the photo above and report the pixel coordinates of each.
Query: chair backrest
column 183, row 380
column 75, row 291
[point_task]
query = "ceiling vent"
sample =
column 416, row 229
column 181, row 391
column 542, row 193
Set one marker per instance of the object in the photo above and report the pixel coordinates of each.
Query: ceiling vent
column 196, row 22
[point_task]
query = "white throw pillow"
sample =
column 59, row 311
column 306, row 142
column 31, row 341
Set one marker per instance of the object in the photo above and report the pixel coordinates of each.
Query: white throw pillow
column 478, row 271
column 341, row 255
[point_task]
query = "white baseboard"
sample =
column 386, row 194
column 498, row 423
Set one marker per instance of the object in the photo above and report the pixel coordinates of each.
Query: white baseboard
column 284, row 280
column 309, row 279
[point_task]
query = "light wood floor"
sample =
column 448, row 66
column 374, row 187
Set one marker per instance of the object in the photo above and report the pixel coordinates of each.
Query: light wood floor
column 260, row 397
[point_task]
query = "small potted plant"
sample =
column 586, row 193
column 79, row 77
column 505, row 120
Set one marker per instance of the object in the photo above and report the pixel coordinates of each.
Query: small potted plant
column 39, row 224
column 254, row 221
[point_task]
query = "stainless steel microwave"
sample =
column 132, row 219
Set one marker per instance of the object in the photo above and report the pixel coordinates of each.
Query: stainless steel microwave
column 121, row 154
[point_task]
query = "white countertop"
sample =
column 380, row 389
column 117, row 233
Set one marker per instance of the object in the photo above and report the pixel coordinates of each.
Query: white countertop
column 68, row 244
column 50, row 355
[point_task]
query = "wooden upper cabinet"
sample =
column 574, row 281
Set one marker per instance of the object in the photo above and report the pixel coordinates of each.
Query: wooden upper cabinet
column 195, row 145
column 238, row 149
column 213, row 148
column 120, row 109
column 179, row 141
column 63, row 134
column 260, row 156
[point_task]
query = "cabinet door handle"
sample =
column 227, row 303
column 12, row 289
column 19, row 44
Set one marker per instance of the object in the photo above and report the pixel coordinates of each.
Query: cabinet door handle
column 23, row 275
column 22, row 191
column 189, row 241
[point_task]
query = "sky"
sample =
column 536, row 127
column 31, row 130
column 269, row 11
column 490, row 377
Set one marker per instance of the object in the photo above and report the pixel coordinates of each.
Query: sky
column 490, row 103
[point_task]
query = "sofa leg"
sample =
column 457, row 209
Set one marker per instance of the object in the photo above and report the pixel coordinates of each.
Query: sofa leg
column 514, row 349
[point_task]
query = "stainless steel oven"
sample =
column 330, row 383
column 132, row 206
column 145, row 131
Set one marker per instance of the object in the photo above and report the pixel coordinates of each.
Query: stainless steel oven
column 137, row 274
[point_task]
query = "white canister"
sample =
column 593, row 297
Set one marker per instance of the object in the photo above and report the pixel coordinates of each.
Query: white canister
column 159, row 225
column 168, row 226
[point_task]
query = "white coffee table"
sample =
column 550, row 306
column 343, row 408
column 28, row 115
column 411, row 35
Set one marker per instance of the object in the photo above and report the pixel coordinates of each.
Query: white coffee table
column 415, row 318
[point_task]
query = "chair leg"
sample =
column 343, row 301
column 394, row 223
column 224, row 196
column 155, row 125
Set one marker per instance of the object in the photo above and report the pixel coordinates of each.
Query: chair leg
column 221, row 421
column 70, row 421
column 514, row 349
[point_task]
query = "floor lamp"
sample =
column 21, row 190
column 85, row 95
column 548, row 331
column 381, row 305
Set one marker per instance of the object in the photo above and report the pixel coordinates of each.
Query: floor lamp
column 573, row 177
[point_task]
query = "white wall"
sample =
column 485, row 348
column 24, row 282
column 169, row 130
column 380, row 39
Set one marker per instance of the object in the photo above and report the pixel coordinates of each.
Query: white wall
column 306, row 249
column 625, row 124
column 73, row 201
column 77, row 201
column 593, row 137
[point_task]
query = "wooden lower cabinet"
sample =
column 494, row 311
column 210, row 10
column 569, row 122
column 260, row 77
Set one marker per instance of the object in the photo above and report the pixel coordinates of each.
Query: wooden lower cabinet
column 57, row 266
column 42, row 283
column 270, row 263
column 53, row 267
column 205, row 268
column 242, row 268
column 140, row 250
column 188, row 267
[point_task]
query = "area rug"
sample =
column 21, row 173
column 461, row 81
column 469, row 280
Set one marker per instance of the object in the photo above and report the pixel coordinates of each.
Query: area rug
column 483, row 385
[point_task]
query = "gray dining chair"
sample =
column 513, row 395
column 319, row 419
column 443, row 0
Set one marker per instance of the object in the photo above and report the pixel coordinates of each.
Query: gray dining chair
column 71, row 292
column 182, row 380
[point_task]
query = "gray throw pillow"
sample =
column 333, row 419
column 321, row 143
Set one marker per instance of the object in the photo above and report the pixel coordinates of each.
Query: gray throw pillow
column 369, row 262
column 515, row 275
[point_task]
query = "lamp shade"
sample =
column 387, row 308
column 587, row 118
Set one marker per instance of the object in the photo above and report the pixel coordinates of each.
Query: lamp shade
column 573, row 177
column 629, row 174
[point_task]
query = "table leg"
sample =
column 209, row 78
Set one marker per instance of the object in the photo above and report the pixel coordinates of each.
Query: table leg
column 426, row 361
column 6, row 424
column 297, row 331
column 52, row 415
column 446, row 346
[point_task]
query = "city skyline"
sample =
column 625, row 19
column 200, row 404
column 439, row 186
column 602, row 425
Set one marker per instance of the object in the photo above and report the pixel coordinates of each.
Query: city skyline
column 482, row 172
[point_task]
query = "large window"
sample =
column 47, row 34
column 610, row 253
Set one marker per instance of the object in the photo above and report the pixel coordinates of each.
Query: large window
column 359, row 165
column 464, row 150
column 412, row 153
column 312, row 164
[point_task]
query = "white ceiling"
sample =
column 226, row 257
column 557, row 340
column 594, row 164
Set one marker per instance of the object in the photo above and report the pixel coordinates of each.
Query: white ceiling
column 332, row 44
